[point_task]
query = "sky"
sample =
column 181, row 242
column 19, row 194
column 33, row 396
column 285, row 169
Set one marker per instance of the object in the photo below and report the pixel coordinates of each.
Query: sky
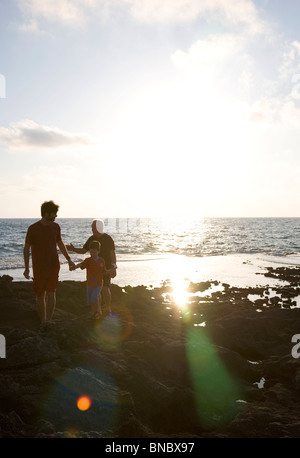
column 150, row 108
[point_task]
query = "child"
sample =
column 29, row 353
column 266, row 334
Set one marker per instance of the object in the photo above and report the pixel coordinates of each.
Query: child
column 95, row 268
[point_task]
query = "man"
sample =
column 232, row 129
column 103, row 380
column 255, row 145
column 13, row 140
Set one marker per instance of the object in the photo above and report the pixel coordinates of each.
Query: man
column 42, row 238
column 107, row 252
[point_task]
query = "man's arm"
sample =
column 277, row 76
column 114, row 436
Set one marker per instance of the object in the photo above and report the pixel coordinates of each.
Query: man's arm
column 113, row 258
column 76, row 250
column 113, row 261
column 26, row 253
column 64, row 251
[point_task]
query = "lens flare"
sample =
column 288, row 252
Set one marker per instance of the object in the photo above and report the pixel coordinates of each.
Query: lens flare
column 216, row 391
column 84, row 403
column 114, row 329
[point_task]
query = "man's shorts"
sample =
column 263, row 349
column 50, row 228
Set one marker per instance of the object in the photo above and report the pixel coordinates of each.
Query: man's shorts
column 93, row 293
column 45, row 280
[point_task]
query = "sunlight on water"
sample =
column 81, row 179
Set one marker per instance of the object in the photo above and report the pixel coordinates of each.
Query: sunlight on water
column 176, row 272
column 180, row 294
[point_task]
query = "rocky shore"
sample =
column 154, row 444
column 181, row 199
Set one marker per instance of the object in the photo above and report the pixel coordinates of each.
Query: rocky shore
column 221, row 367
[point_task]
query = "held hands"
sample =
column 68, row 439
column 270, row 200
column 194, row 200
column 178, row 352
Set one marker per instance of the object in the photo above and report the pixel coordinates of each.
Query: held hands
column 71, row 265
column 112, row 272
column 70, row 247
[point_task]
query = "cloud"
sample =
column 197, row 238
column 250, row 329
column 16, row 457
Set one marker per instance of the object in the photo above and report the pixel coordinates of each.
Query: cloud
column 232, row 11
column 68, row 12
column 224, row 70
column 275, row 112
column 281, row 107
column 209, row 52
column 28, row 134
column 290, row 66
column 217, row 65
column 79, row 12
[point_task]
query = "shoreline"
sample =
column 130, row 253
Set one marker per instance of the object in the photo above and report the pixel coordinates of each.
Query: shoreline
column 243, row 270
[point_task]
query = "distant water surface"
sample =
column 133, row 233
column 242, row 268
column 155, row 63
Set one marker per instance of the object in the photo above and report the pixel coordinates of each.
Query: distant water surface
column 145, row 239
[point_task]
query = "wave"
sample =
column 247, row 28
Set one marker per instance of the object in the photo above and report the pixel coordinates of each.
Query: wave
column 153, row 238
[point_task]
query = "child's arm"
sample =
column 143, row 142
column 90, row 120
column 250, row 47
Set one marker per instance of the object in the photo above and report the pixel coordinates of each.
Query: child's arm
column 78, row 266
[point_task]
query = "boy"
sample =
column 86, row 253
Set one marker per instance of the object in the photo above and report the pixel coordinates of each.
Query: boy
column 107, row 252
column 95, row 268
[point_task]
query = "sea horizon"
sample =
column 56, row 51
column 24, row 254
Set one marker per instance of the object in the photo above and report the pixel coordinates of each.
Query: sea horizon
column 151, row 250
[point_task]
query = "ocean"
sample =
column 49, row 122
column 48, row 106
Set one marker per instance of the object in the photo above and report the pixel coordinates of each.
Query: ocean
column 150, row 251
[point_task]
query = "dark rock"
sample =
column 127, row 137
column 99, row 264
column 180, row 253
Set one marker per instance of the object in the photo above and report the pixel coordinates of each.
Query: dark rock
column 151, row 371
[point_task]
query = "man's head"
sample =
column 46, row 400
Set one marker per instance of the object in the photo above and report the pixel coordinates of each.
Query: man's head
column 49, row 210
column 98, row 227
column 95, row 248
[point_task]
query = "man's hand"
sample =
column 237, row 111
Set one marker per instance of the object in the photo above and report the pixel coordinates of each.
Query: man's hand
column 26, row 274
column 71, row 265
column 70, row 247
column 113, row 272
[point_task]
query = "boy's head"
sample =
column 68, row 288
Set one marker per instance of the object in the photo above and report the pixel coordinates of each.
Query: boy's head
column 95, row 248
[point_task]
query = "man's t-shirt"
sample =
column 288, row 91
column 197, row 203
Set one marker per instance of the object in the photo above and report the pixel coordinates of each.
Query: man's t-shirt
column 107, row 245
column 43, row 240
column 94, row 271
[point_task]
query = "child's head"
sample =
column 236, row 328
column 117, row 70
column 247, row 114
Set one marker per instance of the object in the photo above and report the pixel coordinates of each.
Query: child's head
column 95, row 248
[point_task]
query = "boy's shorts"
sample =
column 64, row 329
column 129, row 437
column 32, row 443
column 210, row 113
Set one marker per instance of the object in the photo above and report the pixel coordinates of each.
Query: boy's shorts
column 93, row 293
column 45, row 280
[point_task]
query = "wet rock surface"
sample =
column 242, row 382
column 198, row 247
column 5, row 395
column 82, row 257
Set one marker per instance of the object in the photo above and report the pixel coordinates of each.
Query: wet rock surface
column 222, row 366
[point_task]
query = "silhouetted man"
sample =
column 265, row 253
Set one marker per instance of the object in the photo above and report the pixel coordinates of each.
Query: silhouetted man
column 42, row 239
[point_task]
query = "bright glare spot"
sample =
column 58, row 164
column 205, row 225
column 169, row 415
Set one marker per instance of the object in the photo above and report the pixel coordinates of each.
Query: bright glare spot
column 180, row 293
column 179, row 283
column 84, row 403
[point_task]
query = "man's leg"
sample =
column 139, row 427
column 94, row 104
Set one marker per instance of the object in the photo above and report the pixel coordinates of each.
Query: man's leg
column 99, row 310
column 40, row 293
column 41, row 306
column 50, row 304
column 51, row 284
column 107, row 297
